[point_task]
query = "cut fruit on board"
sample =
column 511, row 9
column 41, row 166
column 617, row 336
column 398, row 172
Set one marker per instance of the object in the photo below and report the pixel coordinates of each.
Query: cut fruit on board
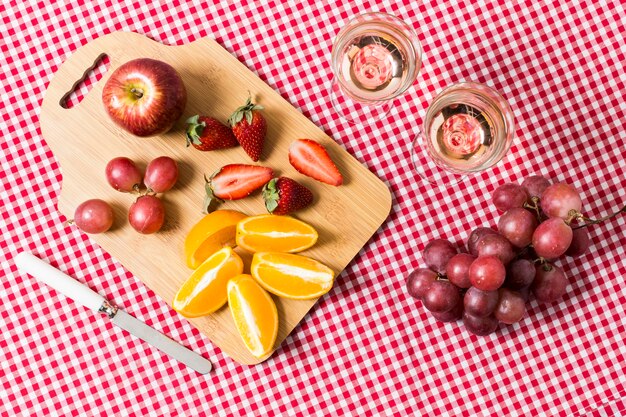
column 213, row 232
column 291, row 276
column 272, row 233
column 217, row 83
column 254, row 314
column 205, row 289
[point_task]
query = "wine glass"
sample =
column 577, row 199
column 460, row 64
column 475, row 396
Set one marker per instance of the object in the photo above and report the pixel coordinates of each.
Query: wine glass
column 467, row 129
column 375, row 58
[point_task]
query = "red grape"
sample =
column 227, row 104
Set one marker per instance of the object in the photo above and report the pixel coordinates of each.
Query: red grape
column 520, row 274
column 94, row 216
column 559, row 199
column 535, row 185
column 511, row 306
column 487, row 273
column 441, row 296
column 480, row 303
column 580, row 242
column 492, row 283
column 480, row 326
column 437, row 254
column 458, row 268
column 508, row 196
column 161, row 174
column 496, row 245
column 418, row 282
column 524, row 293
column 449, row 316
column 550, row 283
column 552, row 238
column 517, row 225
column 475, row 236
column 122, row 174
column 147, row 214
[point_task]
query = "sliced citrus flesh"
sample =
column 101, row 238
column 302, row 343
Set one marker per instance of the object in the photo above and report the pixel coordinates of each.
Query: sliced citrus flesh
column 272, row 233
column 254, row 313
column 205, row 290
column 291, row 276
column 213, row 232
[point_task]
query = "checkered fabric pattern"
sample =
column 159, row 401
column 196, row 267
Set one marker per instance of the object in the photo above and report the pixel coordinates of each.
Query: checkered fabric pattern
column 366, row 348
column 612, row 407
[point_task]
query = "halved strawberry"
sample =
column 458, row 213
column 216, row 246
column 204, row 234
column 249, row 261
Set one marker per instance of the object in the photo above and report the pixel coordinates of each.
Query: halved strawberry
column 311, row 159
column 233, row 182
column 283, row 195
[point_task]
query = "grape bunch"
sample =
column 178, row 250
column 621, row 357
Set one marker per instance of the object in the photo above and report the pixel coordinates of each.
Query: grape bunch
column 147, row 213
column 492, row 282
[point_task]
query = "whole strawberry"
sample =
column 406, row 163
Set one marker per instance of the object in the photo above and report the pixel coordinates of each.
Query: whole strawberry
column 249, row 127
column 283, row 195
column 208, row 134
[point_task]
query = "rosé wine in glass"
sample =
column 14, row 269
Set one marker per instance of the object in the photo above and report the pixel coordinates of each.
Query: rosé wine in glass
column 376, row 57
column 468, row 128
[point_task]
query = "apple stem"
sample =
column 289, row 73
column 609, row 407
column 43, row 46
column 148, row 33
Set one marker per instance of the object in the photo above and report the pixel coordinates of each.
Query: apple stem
column 137, row 92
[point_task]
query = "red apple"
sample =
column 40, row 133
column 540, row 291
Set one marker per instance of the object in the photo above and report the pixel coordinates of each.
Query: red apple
column 145, row 96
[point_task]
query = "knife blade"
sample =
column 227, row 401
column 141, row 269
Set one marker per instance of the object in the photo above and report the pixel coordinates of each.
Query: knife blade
column 90, row 299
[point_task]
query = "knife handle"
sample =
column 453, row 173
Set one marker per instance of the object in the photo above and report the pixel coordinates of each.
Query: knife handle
column 61, row 282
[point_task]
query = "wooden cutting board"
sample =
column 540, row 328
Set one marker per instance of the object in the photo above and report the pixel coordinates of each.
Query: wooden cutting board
column 83, row 139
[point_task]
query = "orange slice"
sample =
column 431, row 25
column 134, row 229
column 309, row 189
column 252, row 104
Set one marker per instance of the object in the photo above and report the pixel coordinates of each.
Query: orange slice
column 291, row 276
column 272, row 233
column 212, row 233
column 255, row 314
column 205, row 290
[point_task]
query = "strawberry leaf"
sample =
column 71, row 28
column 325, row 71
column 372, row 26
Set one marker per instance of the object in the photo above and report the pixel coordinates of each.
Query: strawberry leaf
column 194, row 130
column 210, row 202
column 244, row 111
column 271, row 195
column 193, row 120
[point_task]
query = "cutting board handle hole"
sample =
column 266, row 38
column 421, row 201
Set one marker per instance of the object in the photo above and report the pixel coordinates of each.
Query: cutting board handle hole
column 82, row 86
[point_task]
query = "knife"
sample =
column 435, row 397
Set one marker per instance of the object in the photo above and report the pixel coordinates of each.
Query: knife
column 90, row 299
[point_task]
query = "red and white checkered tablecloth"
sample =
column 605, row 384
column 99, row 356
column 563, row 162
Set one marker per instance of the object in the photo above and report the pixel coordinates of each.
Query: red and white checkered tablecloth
column 366, row 348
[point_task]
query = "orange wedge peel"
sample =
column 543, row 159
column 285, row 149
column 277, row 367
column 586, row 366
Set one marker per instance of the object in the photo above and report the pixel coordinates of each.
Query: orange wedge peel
column 273, row 233
column 205, row 291
column 213, row 232
column 291, row 276
column 254, row 313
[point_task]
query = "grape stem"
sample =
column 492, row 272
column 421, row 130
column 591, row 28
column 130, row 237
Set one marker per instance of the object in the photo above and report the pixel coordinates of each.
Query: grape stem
column 540, row 260
column 524, row 251
column 534, row 206
column 589, row 221
column 547, row 266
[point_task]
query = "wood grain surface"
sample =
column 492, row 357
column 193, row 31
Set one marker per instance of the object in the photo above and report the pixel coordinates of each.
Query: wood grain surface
column 84, row 139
